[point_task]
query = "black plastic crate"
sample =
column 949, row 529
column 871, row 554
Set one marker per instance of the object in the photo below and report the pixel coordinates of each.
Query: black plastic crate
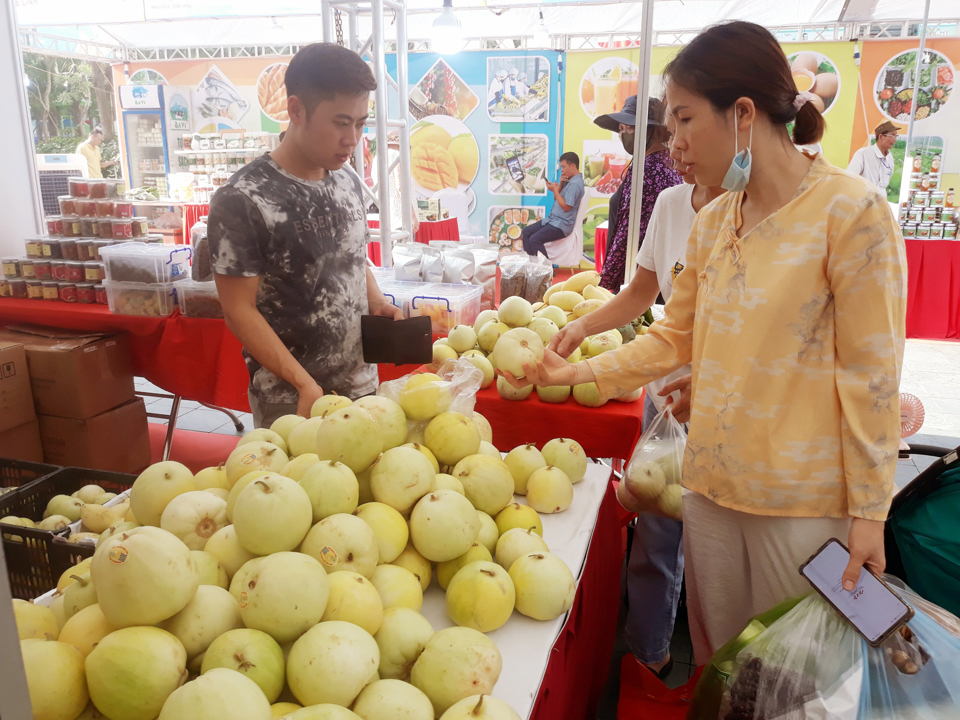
column 33, row 564
column 19, row 473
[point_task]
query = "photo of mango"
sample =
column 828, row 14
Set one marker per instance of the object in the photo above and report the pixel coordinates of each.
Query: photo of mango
column 443, row 154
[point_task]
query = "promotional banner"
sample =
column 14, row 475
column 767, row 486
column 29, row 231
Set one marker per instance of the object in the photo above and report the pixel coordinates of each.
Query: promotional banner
column 232, row 94
column 486, row 133
column 887, row 72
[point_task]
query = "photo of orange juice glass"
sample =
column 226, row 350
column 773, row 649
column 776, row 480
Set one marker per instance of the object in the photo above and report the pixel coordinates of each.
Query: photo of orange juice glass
column 605, row 95
column 625, row 88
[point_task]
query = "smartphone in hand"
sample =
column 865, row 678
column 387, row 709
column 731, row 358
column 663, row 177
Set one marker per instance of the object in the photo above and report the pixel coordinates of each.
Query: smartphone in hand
column 872, row 607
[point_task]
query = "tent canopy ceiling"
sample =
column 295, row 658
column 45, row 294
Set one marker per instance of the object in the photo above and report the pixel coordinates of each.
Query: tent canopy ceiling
column 209, row 23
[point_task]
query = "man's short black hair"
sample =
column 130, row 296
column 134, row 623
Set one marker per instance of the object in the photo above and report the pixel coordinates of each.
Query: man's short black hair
column 322, row 71
column 97, row 131
column 571, row 158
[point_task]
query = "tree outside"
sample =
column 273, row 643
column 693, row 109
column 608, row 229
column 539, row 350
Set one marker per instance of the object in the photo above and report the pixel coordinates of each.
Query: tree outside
column 68, row 96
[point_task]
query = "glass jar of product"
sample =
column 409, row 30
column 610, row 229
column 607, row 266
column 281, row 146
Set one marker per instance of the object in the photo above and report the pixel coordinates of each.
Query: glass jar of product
column 122, row 208
column 936, row 231
column 68, row 206
column 105, row 208
column 101, row 294
column 98, row 188
column 69, row 249
column 141, row 226
column 34, row 290
column 923, row 231
column 74, row 271
column 71, row 226
column 105, row 228
column 86, row 207
column 929, row 215
column 935, row 164
column 937, row 198
column 93, row 271
column 41, row 269
column 51, row 248
column 11, row 267
column 913, row 214
column 4, row 287
column 58, row 270
column 909, row 231
column 68, row 292
column 88, row 226
column 949, row 231
column 27, row 271
column 55, row 225
column 34, row 247
column 51, row 290
column 922, row 199
column 122, row 228
column 79, row 187
column 83, row 248
column 86, row 294
column 18, row 288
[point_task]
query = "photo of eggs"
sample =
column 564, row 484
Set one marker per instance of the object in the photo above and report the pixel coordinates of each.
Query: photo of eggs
column 815, row 73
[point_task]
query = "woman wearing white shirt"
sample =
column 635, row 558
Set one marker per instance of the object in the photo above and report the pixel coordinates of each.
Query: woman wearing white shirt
column 655, row 571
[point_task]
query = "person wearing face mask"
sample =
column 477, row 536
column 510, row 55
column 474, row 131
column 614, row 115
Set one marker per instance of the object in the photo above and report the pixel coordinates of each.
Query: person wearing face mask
column 791, row 310
column 658, row 174
column 655, row 569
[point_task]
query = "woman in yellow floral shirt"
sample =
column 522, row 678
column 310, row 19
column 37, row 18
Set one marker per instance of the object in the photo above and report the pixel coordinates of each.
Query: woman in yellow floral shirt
column 791, row 310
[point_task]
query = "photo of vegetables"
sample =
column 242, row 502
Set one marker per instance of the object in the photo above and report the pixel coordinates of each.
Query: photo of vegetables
column 893, row 89
column 595, row 216
column 815, row 73
column 442, row 92
column 513, row 155
column 507, row 224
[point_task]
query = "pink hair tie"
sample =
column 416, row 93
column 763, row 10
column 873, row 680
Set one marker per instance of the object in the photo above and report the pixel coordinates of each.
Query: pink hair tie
column 801, row 99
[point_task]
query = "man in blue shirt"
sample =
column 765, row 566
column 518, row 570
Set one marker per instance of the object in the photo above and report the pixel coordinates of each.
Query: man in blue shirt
column 567, row 195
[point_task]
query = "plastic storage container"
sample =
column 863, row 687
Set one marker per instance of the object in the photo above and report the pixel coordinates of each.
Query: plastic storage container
column 27, row 271
column 79, row 187
column 34, row 290
column 86, row 207
column 68, row 205
column 51, row 290
column 11, row 267
column 199, row 299
column 145, row 300
column 34, row 247
column 136, row 262
column 54, row 225
column 69, row 249
column 447, row 305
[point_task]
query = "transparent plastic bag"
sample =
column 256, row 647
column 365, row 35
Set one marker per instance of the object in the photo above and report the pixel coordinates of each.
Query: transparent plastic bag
column 456, row 391
column 813, row 665
column 652, row 477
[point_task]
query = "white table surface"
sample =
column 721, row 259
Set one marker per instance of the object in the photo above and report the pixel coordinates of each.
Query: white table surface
column 524, row 643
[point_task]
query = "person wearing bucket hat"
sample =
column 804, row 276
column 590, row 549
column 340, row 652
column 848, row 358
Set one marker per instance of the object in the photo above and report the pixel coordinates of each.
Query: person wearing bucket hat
column 658, row 175
column 875, row 163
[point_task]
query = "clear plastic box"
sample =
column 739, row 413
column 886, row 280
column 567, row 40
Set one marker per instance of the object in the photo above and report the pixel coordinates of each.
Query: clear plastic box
column 143, row 299
column 401, row 294
column 138, row 262
column 199, row 299
column 447, row 305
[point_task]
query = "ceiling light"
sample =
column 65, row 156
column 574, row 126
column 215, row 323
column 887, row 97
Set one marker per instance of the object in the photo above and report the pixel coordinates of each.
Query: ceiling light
column 447, row 33
column 541, row 36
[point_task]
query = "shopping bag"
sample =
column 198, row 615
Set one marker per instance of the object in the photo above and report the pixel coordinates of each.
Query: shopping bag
column 713, row 683
column 644, row 695
column 811, row 664
column 651, row 481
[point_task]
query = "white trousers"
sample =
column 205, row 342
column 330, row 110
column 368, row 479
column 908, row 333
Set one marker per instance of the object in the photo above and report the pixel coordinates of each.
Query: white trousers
column 739, row 565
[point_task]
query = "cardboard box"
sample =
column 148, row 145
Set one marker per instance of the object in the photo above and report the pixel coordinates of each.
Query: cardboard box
column 16, row 398
column 116, row 440
column 74, row 374
column 22, row 442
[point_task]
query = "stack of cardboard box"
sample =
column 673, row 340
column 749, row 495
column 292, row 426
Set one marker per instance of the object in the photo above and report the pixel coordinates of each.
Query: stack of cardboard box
column 83, row 411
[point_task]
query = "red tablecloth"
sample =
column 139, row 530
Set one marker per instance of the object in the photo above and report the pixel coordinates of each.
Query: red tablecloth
column 599, row 248
column 195, row 358
column 577, row 672
column 933, row 300
column 610, row 431
column 441, row 230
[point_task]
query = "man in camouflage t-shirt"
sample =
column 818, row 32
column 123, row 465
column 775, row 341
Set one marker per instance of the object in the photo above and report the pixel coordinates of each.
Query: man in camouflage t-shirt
column 288, row 237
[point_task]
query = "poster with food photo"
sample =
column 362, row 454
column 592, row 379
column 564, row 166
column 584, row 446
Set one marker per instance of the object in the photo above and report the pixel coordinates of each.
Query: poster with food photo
column 606, row 85
column 444, row 155
column 441, row 91
column 893, row 89
column 817, row 74
column 216, row 97
column 507, row 224
column 272, row 93
column 518, row 89
column 603, row 164
column 518, row 164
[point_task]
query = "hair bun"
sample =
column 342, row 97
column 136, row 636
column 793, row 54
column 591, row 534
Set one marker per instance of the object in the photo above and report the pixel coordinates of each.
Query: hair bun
column 809, row 126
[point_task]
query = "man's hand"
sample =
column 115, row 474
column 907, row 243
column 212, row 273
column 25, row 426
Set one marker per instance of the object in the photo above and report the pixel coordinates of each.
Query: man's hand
column 681, row 408
column 309, row 394
column 569, row 338
column 386, row 309
column 552, row 186
column 865, row 541
column 552, row 370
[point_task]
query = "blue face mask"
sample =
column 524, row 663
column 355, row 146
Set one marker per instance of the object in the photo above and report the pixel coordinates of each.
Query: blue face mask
column 738, row 175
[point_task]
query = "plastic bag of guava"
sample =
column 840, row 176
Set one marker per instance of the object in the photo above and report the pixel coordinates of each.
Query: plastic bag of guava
column 651, row 482
column 423, row 396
